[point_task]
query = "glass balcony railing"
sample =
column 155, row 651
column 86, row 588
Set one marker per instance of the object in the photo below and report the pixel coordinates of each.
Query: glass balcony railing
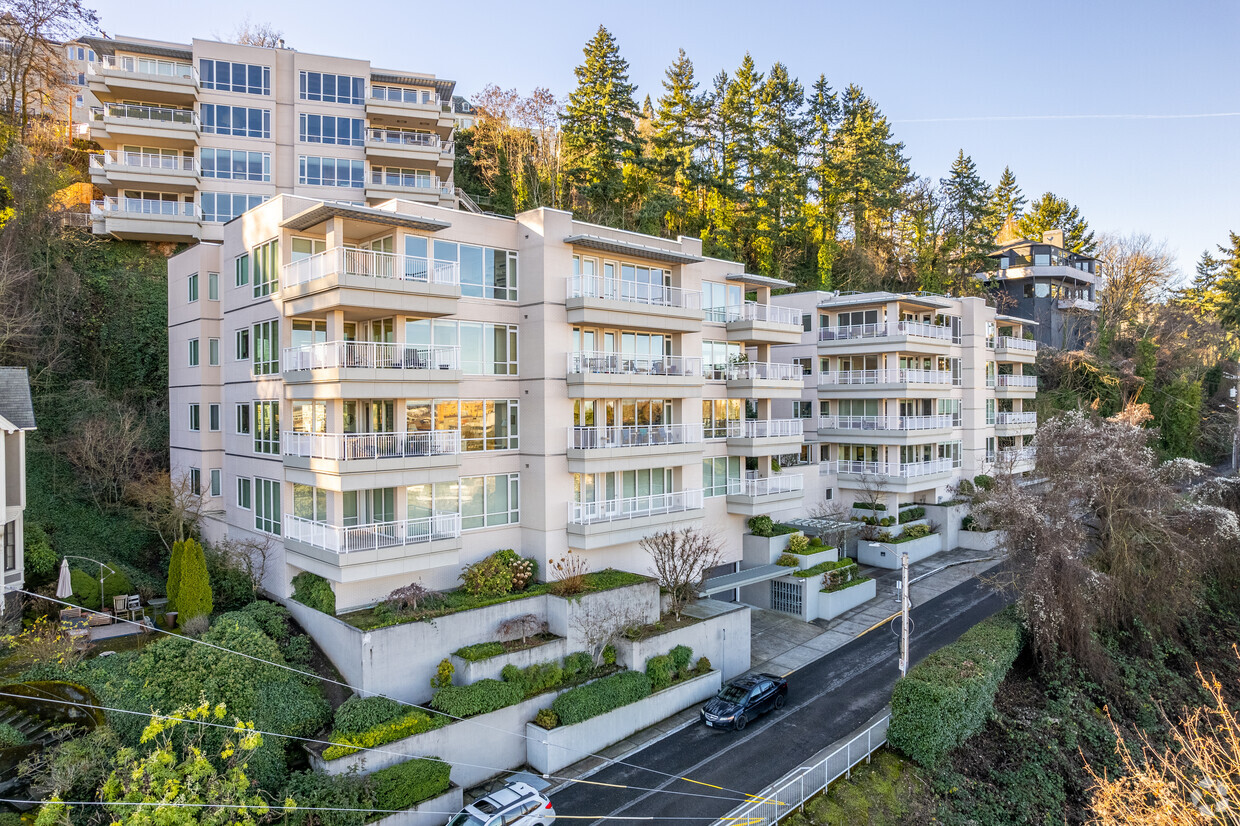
column 374, row 536
column 344, row 447
column 633, row 507
column 141, row 113
column 629, row 364
column 648, row 435
column 326, row 355
column 616, row 289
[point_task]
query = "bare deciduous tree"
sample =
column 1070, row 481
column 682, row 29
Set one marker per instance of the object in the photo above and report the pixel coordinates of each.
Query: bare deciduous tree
column 523, row 626
column 681, row 560
column 600, row 622
column 36, row 73
column 838, row 527
column 1136, row 269
column 108, row 449
column 408, row 597
column 168, row 505
column 525, row 133
column 254, row 556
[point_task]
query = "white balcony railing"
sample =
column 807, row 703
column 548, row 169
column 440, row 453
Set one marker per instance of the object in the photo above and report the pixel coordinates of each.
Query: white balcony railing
column 887, row 329
column 1013, row 455
column 766, row 428
column 1077, row 304
column 603, row 438
column 144, row 160
column 1015, row 381
column 405, row 179
column 399, row 137
column 369, row 354
column 896, row 376
column 900, row 423
column 1016, row 418
column 615, row 289
column 344, row 447
column 898, row 470
column 146, row 114
column 753, row 311
column 627, row 364
column 133, row 207
column 767, row 485
column 1012, row 343
column 370, row 264
column 762, row 371
column 374, row 536
column 634, row 507
column 144, row 66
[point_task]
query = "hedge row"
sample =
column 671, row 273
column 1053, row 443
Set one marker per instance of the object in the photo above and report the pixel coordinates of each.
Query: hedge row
column 949, row 695
column 601, row 696
column 477, row 698
column 480, row 651
column 911, row 514
column 408, row 724
column 823, row 567
column 407, row 784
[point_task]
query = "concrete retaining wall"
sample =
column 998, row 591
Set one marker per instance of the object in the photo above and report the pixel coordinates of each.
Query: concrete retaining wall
column 835, row 603
column 948, row 519
column 810, row 560
column 978, row 540
column 723, row 639
column 640, row 603
column 887, row 554
column 428, row 812
column 550, row 751
column 468, row 672
column 763, row 550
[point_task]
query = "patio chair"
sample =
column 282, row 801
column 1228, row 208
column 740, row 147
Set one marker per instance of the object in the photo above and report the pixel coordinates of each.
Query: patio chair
column 133, row 604
column 120, row 605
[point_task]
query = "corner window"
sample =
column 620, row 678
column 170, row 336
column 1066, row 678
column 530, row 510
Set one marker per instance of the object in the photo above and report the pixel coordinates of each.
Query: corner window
column 193, row 288
column 195, row 421
column 217, row 482
column 193, row 352
column 213, row 286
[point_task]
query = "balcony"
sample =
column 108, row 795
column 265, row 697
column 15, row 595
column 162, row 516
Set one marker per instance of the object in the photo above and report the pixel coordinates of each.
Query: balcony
column 631, row 447
column 1014, row 386
column 377, row 281
column 898, row 380
column 385, row 184
column 594, row 525
column 1018, row 418
column 361, row 552
column 762, row 379
column 919, row 330
column 901, row 476
column 1008, row 348
column 162, row 125
column 1081, row 304
column 595, row 373
column 402, row 146
column 140, row 170
column 395, row 102
column 892, row 427
column 146, row 219
column 594, row 299
column 762, row 323
column 759, row 494
column 369, row 452
column 352, row 368
column 765, row 437
column 160, row 81
column 1013, row 459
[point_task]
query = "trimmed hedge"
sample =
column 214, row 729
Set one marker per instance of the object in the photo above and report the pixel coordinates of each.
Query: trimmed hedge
column 865, row 506
column 949, row 695
column 823, row 567
column 911, row 514
column 578, row 665
column 313, row 591
column 409, row 783
column 480, row 651
column 477, row 698
column 413, row 722
column 534, row 679
column 601, row 696
column 359, row 714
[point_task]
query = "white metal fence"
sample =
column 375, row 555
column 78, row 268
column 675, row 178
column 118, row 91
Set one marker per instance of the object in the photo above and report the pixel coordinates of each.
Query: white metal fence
column 601, row 438
column 886, row 329
column 368, row 263
column 761, row 370
column 374, row 536
column 599, row 362
column 617, row 289
column 370, row 354
column 633, row 507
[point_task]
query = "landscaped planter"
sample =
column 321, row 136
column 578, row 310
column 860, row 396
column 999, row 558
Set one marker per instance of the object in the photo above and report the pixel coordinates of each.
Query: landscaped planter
column 896, row 530
column 810, row 560
column 431, row 812
column 721, row 637
column 763, row 550
column 888, row 554
column 948, row 518
column 831, row 605
column 471, row 671
column 978, row 540
column 550, row 751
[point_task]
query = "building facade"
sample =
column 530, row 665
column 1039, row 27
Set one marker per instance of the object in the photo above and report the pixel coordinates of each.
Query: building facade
column 16, row 420
column 383, row 394
column 194, row 134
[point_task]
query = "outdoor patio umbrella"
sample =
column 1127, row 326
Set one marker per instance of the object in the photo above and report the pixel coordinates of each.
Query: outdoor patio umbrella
column 64, row 586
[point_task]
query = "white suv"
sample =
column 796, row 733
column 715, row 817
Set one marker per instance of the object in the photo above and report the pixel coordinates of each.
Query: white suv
column 517, row 804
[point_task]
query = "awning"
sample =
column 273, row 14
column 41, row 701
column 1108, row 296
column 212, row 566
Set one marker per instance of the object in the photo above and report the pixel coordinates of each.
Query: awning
column 319, row 213
column 612, row 245
column 759, row 280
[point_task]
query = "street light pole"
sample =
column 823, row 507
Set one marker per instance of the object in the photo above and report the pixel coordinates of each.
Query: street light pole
column 904, row 606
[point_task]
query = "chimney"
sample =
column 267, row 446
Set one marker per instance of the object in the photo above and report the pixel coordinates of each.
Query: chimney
column 1053, row 236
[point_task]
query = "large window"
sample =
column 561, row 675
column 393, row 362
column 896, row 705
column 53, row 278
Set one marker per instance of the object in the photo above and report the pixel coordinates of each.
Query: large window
column 266, row 262
column 482, row 501
column 266, row 347
column 717, row 355
column 396, row 176
column 331, row 129
column 484, row 424
column 315, row 171
column 720, row 301
column 267, row 428
column 717, row 414
column 331, row 88
column 267, row 506
column 718, row 473
column 243, row 492
column 238, row 121
column 399, row 94
column 236, row 164
column 486, row 349
column 195, row 417
column 310, row 502
column 485, row 272
column 221, row 207
column 225, row 76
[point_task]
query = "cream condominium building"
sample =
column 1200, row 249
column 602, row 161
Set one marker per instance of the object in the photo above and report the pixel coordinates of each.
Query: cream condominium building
column 194, row 134
column 385, row 394
column 907, row 394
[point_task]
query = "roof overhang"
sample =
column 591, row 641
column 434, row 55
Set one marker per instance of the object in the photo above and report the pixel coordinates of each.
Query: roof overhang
column 444, row 88
column 759, row 280
column 319, row 213
column 105, row 45
column 930, row 302
column 1016, row 319
column 597, row 242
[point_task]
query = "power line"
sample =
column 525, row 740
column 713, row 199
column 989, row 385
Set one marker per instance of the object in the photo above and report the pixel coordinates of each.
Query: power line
column 1128, row 116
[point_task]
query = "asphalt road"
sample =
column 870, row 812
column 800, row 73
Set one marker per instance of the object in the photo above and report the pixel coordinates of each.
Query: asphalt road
column 827, row 700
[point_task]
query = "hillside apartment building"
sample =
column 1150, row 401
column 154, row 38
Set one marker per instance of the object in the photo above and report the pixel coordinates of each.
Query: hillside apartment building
column 386, row 393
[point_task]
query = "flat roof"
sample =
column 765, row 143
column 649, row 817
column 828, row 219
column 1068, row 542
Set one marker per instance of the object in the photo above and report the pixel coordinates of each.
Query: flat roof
column 930, row 301
column 760, row 280
column 319, row 213
column 598, row 242
column 107, row 45
column 1016, row 319
column 444, row 88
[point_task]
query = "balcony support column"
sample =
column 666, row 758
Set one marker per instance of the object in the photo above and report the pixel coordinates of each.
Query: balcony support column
column 335, row 232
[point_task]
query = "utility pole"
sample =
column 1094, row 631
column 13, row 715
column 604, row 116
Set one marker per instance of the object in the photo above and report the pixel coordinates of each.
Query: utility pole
column 904, row 606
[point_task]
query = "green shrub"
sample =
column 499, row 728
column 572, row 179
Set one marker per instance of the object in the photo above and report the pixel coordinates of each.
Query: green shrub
column 406, row 784
column 231, row 587
column 866, row 506
column 816, row 542
column 983, row 482
column 855, row 579
column 911, row 514
column 534, row 679
column 609, row 655
column 358, row 714
column 546, row 718
column 787, row 561
column 660, row 671
column 703, row 665
column 823, row 567
column 10, row 737
column 913, row 532
column 798, row 544
column 480, row 651
column 299, row 651
column 490, row 577
column 601, row 696
column 681, row 655
column 312, row 790
column 968, row 523
column 949, row 695
column 443, row 674
column 524, row 570
column 577, row 665
column 478, row 698
column 965, row 488
column 409, row 722
column 39, row 562
column 887, row 521
column 840, row 577
column 86, row 587
column 313, row 591
column 762, row 526
column 194, row 597
column 273, row 619
column 174, row 574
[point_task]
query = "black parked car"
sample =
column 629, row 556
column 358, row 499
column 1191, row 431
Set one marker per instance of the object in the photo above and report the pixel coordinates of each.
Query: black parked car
column 743, row 699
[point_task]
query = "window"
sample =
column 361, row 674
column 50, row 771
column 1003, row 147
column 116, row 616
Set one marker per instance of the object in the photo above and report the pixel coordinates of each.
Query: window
column 395, row 176
column 314, row 171
column 195, row 481
column 266, row 269
column 718, row 474
column 807, row 322
column 486, row 349
column 213, row 286
column 213, row 352
column 241, row 347
column 266, row 348
column 482, row 501
column 194, row 417
column 267, row 506
column 236, row 165
column 718, row 414
column 213, row 417
column 267, row 428
column 398, row 94
column 243, row 270
column 332, row 88
column 803, row 410
column 217, row 482
column 716, row 356
column 484, row 424
column 485, row 272
column 330, row 129
column 224, row 76
column 807, row 365
column 243, row 419
column 193, row 288
column 238, row 121
column 721, row 301
column 309, row 503
column 243, row 493
column 193, row 352
column 990, row 411
column 10, row 546
column 221, row 207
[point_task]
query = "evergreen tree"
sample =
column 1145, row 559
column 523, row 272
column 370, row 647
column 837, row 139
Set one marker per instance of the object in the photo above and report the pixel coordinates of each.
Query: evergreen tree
column 739, row 111
column 599, row 128
column 1008, row 201
column 678, row 124
column 194, row 593
column 970, row 218
column 824, row 214
column 1052, row 212
column 1216, row 289
column 779, row 174
column 174, row 574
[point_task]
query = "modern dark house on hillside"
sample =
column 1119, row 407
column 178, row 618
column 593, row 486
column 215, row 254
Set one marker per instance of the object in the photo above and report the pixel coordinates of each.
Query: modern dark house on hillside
column 1043, row 281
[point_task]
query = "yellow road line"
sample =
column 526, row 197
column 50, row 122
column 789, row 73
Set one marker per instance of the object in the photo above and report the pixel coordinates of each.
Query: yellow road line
column 722, row 789
column 880, row 622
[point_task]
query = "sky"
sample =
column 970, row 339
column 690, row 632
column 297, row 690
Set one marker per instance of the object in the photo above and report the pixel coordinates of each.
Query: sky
column 1006, row 82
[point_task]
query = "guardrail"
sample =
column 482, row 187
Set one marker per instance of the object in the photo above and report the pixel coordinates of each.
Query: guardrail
column 374, row 536
column 767, row 485
column 603, row 438
column 344, row 447
column 355, row 262
column 896, row 376
column 1016, row 381
column 908, row 470
column 886, row 329
column 628, row 364
column 770, row 313
column 762, row 371
column 634, row 507
column 1010, row 343
column 369, row 354
column 766, row 428
column 615, row 289
column 144, row 160
column 886, row 422
column 1016, row 418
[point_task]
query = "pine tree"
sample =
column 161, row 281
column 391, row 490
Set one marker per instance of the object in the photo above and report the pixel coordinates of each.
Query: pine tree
column 174, row 574
column 678, row 126
column 871, row 170
column 780, row 183
column 1216, row 288
column 970, row 217
column 1008, row 201
column 1052, row 212
column 194, row 597
column 599, row 127
column 824, row 213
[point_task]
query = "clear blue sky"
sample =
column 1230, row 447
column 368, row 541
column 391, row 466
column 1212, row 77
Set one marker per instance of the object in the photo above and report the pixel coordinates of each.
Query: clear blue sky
column 1175, row 179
